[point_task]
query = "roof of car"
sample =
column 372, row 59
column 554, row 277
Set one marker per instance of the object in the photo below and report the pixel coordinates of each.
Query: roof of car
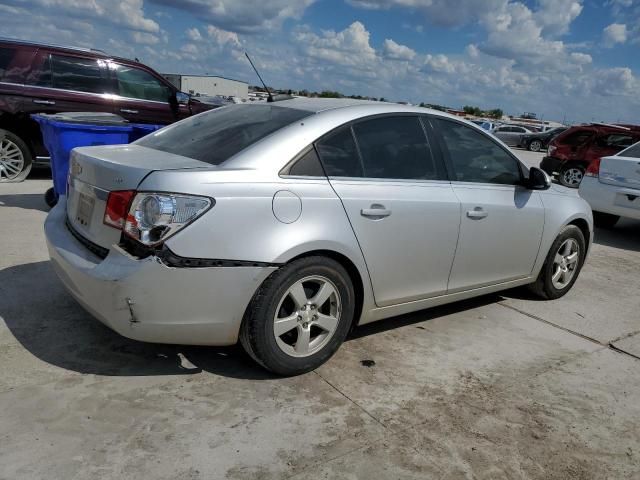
column 321, row 104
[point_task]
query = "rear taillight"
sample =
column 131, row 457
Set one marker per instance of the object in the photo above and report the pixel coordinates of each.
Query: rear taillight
column 153, row 217
column 593, row 170
column 118, row 202
column 552, row 148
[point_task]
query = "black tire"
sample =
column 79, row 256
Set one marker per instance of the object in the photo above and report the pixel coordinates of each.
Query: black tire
column 27, row 158
column 50, row 198
column 257, row 335
column 571, row 175
column 534, row 145
column 605, row 220
column 543, row 286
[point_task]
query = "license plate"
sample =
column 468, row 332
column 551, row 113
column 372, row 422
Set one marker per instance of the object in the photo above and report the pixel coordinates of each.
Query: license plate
column 84, row 212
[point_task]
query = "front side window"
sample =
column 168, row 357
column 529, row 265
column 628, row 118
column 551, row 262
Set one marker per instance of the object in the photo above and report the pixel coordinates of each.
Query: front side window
column 395, row 148
column 75, row 73
column 476, row 158
column 6, row 57
column 135, row 83
column 339, row 154
column 217, row 135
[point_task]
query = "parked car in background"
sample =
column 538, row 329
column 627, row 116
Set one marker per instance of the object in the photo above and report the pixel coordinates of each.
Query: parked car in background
column 510, row 134
column 485, row 124
column 535, row 142
column 571, row 152
column 611, row 186
column 41, row 78
column 277, row 224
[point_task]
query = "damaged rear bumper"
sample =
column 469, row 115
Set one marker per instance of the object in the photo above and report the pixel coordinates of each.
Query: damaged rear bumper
column 146, row 300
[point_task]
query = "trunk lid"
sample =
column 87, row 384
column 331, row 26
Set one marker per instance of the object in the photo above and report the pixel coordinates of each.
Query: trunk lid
column 96, row 171
column 620, row 171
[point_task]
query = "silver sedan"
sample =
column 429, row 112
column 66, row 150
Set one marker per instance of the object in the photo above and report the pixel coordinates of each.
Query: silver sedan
column 284, row 225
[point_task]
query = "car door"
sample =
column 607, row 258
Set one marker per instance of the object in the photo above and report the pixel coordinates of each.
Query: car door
column 399, row 202
column 504, row 134
column 141, row 97
column 501, row 222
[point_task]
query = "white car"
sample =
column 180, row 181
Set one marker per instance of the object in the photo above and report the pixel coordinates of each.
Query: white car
column 611, row 186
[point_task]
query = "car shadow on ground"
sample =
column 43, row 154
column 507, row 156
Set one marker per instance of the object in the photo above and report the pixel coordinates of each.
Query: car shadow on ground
column 28, row 201
column 51, row 325
column 625, row 235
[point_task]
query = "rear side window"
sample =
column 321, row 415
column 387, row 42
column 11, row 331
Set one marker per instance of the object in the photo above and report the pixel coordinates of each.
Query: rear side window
column 577, row 139
column 79, row 74
column 308, row 165
column 339, row 154
column 395, row 148
column 476, row 158
column 136, row 83
column 616, row 140
column 6, row 57
column 215, row 136
column 633, row 151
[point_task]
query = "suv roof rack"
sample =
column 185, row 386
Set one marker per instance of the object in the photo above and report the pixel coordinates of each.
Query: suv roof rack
column 44, row 44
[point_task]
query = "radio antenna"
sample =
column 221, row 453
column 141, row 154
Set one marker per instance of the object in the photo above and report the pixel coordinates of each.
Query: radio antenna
column 269, row 97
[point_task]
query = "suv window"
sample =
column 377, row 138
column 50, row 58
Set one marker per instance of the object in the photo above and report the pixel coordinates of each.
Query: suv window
column 217, row 135
column 616, row 140
column 475, row 157
column 75, row 73
column 578, row 138
column 6, row 56
column 339, row 154
column 136, row 83
column 395, row 147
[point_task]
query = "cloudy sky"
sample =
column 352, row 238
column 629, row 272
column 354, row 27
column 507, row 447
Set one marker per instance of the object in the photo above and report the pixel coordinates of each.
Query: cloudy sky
column 573, row 59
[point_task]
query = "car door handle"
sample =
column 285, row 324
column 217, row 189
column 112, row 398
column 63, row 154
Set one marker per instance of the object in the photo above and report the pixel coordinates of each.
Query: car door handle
column 128, row 110
column 477, row 213
column 44, row 102
column 376, row 212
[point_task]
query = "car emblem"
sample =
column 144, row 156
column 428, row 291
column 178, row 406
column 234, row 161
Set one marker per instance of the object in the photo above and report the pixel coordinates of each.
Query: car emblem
column 76, row 168
column 118, row 180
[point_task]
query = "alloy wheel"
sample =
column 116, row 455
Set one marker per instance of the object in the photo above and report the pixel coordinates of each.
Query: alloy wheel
column 307, row 316
column 535, row 146
column 11, row 160
column 565, row 264
column 572, row 177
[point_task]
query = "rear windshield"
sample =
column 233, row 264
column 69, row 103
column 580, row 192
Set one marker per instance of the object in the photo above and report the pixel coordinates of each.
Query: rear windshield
column 216, row 136
column 633, row 151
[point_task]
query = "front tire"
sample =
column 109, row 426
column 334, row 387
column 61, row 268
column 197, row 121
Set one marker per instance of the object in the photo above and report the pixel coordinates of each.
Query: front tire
column 299, row 316
column 605, row 220
column 571, row 175
column 535, row 145
column 15, row 158
column 562, row 265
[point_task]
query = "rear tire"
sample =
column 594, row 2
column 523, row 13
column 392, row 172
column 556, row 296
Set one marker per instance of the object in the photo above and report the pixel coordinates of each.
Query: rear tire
column 535, row 146
column 288, row 328
column 560, row 270
column 605, row 220
column 571, row 175
column 15, row 158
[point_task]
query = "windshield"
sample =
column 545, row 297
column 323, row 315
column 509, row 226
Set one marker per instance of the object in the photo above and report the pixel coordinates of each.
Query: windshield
column 215, row 136
column 633, row 151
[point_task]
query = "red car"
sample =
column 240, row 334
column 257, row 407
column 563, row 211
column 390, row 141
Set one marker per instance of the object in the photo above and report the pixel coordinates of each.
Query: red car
column 571, row 152
column 41, row 78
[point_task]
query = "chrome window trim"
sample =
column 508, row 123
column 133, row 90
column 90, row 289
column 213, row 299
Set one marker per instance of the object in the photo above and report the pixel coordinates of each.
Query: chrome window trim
column 105, row 95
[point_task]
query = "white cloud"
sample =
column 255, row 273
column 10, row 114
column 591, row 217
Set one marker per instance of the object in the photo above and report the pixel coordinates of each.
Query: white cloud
column 193, row 34
column 241, row 16
column 614, row 33
column 396, row 51
column 616, row 82
column 347, row 47
column 555, row 16
column 223, row 37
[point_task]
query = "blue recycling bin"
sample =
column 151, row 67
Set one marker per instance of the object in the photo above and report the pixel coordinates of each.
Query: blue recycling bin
column 62, row 132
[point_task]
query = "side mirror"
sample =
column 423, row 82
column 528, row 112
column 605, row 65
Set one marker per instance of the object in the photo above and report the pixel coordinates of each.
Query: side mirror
column 182, row 98
column 538, row 179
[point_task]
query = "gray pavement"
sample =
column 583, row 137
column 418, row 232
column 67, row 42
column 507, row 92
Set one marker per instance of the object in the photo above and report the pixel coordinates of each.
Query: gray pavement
column 500, row 387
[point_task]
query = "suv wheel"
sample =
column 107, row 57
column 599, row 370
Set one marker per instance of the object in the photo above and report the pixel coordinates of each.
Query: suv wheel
column 605, row 220
column 571, row 175
column 535, row 145
column 562, row 265
column 299, row 316
column 15, row 158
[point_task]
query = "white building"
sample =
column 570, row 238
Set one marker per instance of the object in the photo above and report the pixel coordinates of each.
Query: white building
column 209, row 85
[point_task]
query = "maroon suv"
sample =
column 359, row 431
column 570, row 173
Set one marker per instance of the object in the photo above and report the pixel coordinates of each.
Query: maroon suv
column 39, row 78
column 571, row 152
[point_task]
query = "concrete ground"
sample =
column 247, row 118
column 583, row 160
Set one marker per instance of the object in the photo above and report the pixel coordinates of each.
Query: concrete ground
column 501, row 387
